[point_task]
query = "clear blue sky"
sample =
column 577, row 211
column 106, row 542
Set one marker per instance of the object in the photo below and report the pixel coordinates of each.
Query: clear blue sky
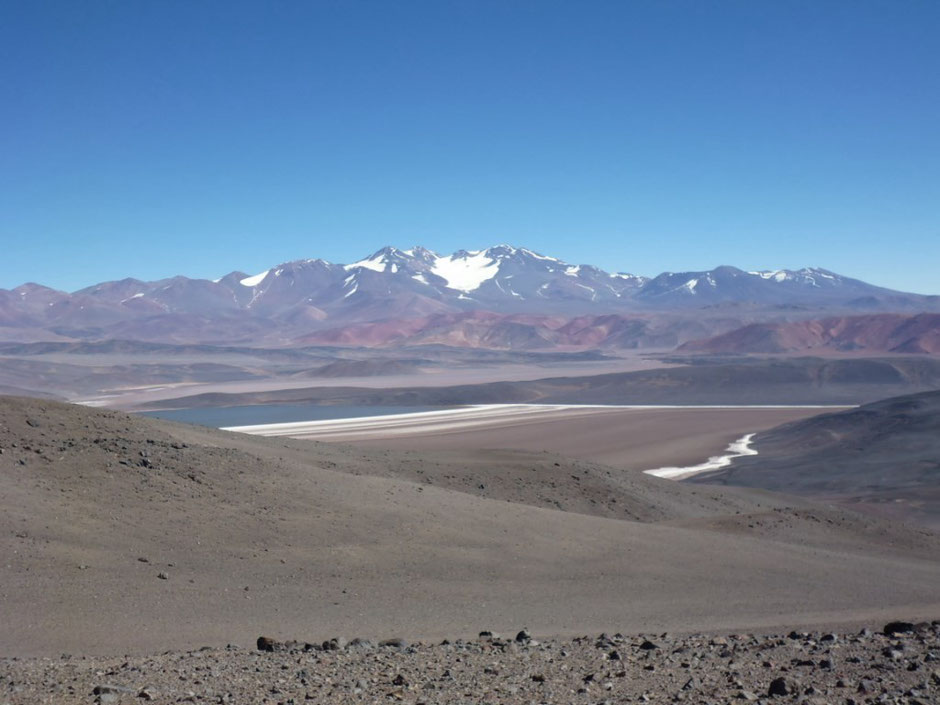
column 170, row 137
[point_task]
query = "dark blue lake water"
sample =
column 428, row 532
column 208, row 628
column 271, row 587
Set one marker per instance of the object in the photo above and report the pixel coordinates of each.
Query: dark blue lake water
column 219, row 417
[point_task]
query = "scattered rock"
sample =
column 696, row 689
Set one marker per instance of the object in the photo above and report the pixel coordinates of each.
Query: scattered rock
column 266, row 643
column 337, row 643
column 892, row 628
column 110, row 688
column 782, row 686
column 685, row 669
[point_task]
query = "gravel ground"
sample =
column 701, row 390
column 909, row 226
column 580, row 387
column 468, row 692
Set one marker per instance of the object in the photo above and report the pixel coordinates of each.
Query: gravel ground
column 895, row 664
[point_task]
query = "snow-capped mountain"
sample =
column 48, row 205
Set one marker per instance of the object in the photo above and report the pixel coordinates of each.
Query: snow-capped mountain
column 500, row 276
column 293, row 300
column 811, row 285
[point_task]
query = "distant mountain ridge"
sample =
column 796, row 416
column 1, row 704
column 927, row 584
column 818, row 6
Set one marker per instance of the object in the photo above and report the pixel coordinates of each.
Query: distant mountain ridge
column 302, row 297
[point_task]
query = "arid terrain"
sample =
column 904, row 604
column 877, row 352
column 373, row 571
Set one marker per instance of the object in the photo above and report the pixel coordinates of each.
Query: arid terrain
column 128, row 542
column 623, row 438
column 671, row 380
column 126, row 534
column 882, row 458
column 894, row 663
column 470, row 353
column 410, row 319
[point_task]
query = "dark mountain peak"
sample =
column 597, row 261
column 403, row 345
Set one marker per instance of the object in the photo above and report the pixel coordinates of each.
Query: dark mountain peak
column 520, row 253
column 419, row 251
column 501, row 251
column 34, row 288
column 726, row 270
column 302, row 265
column 388, row 251
column 392, row 260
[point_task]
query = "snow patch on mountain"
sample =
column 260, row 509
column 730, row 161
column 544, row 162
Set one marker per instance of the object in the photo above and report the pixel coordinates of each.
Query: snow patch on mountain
column 255, row 280
column 777, row 275
column 377, row 263
column 807, row 275
column 535, row 255
column 466, row 271
column 587, row 288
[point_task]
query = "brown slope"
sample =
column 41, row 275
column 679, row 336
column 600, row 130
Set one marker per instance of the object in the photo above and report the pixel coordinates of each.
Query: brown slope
column 518, row 331
column 882, row 457
column 262, row 536
column 887, row 332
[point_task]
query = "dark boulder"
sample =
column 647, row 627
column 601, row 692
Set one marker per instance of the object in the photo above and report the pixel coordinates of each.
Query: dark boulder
column 897, row 628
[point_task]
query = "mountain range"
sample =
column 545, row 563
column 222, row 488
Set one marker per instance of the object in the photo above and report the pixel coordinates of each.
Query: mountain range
column 502, row 296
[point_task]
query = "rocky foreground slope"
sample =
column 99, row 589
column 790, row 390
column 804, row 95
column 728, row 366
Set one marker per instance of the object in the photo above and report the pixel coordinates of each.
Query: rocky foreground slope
column 898, row 664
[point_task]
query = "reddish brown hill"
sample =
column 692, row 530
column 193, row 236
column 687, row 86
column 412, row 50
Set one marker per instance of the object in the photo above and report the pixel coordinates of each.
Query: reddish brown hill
column 886, row 332
column 485, row 329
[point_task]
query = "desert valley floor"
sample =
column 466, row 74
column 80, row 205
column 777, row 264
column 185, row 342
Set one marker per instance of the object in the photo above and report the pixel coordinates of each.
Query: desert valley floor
column 126, row 537
column 291, row 537
column 622, row 437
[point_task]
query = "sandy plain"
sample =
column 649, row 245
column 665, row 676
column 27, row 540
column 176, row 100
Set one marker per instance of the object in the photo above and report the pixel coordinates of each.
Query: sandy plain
column 629, row 438
column 123, row 534
column 458, row 373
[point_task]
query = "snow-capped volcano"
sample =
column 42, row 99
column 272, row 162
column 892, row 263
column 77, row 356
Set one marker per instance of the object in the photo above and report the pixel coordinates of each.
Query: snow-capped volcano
column 293, row 299
column 497, row 273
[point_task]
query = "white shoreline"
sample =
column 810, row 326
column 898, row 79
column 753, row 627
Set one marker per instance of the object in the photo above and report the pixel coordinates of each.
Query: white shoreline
column 469, row 416
column 736, row 449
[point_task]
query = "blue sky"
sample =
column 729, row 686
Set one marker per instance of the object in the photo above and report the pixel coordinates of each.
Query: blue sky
column 149, row 139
